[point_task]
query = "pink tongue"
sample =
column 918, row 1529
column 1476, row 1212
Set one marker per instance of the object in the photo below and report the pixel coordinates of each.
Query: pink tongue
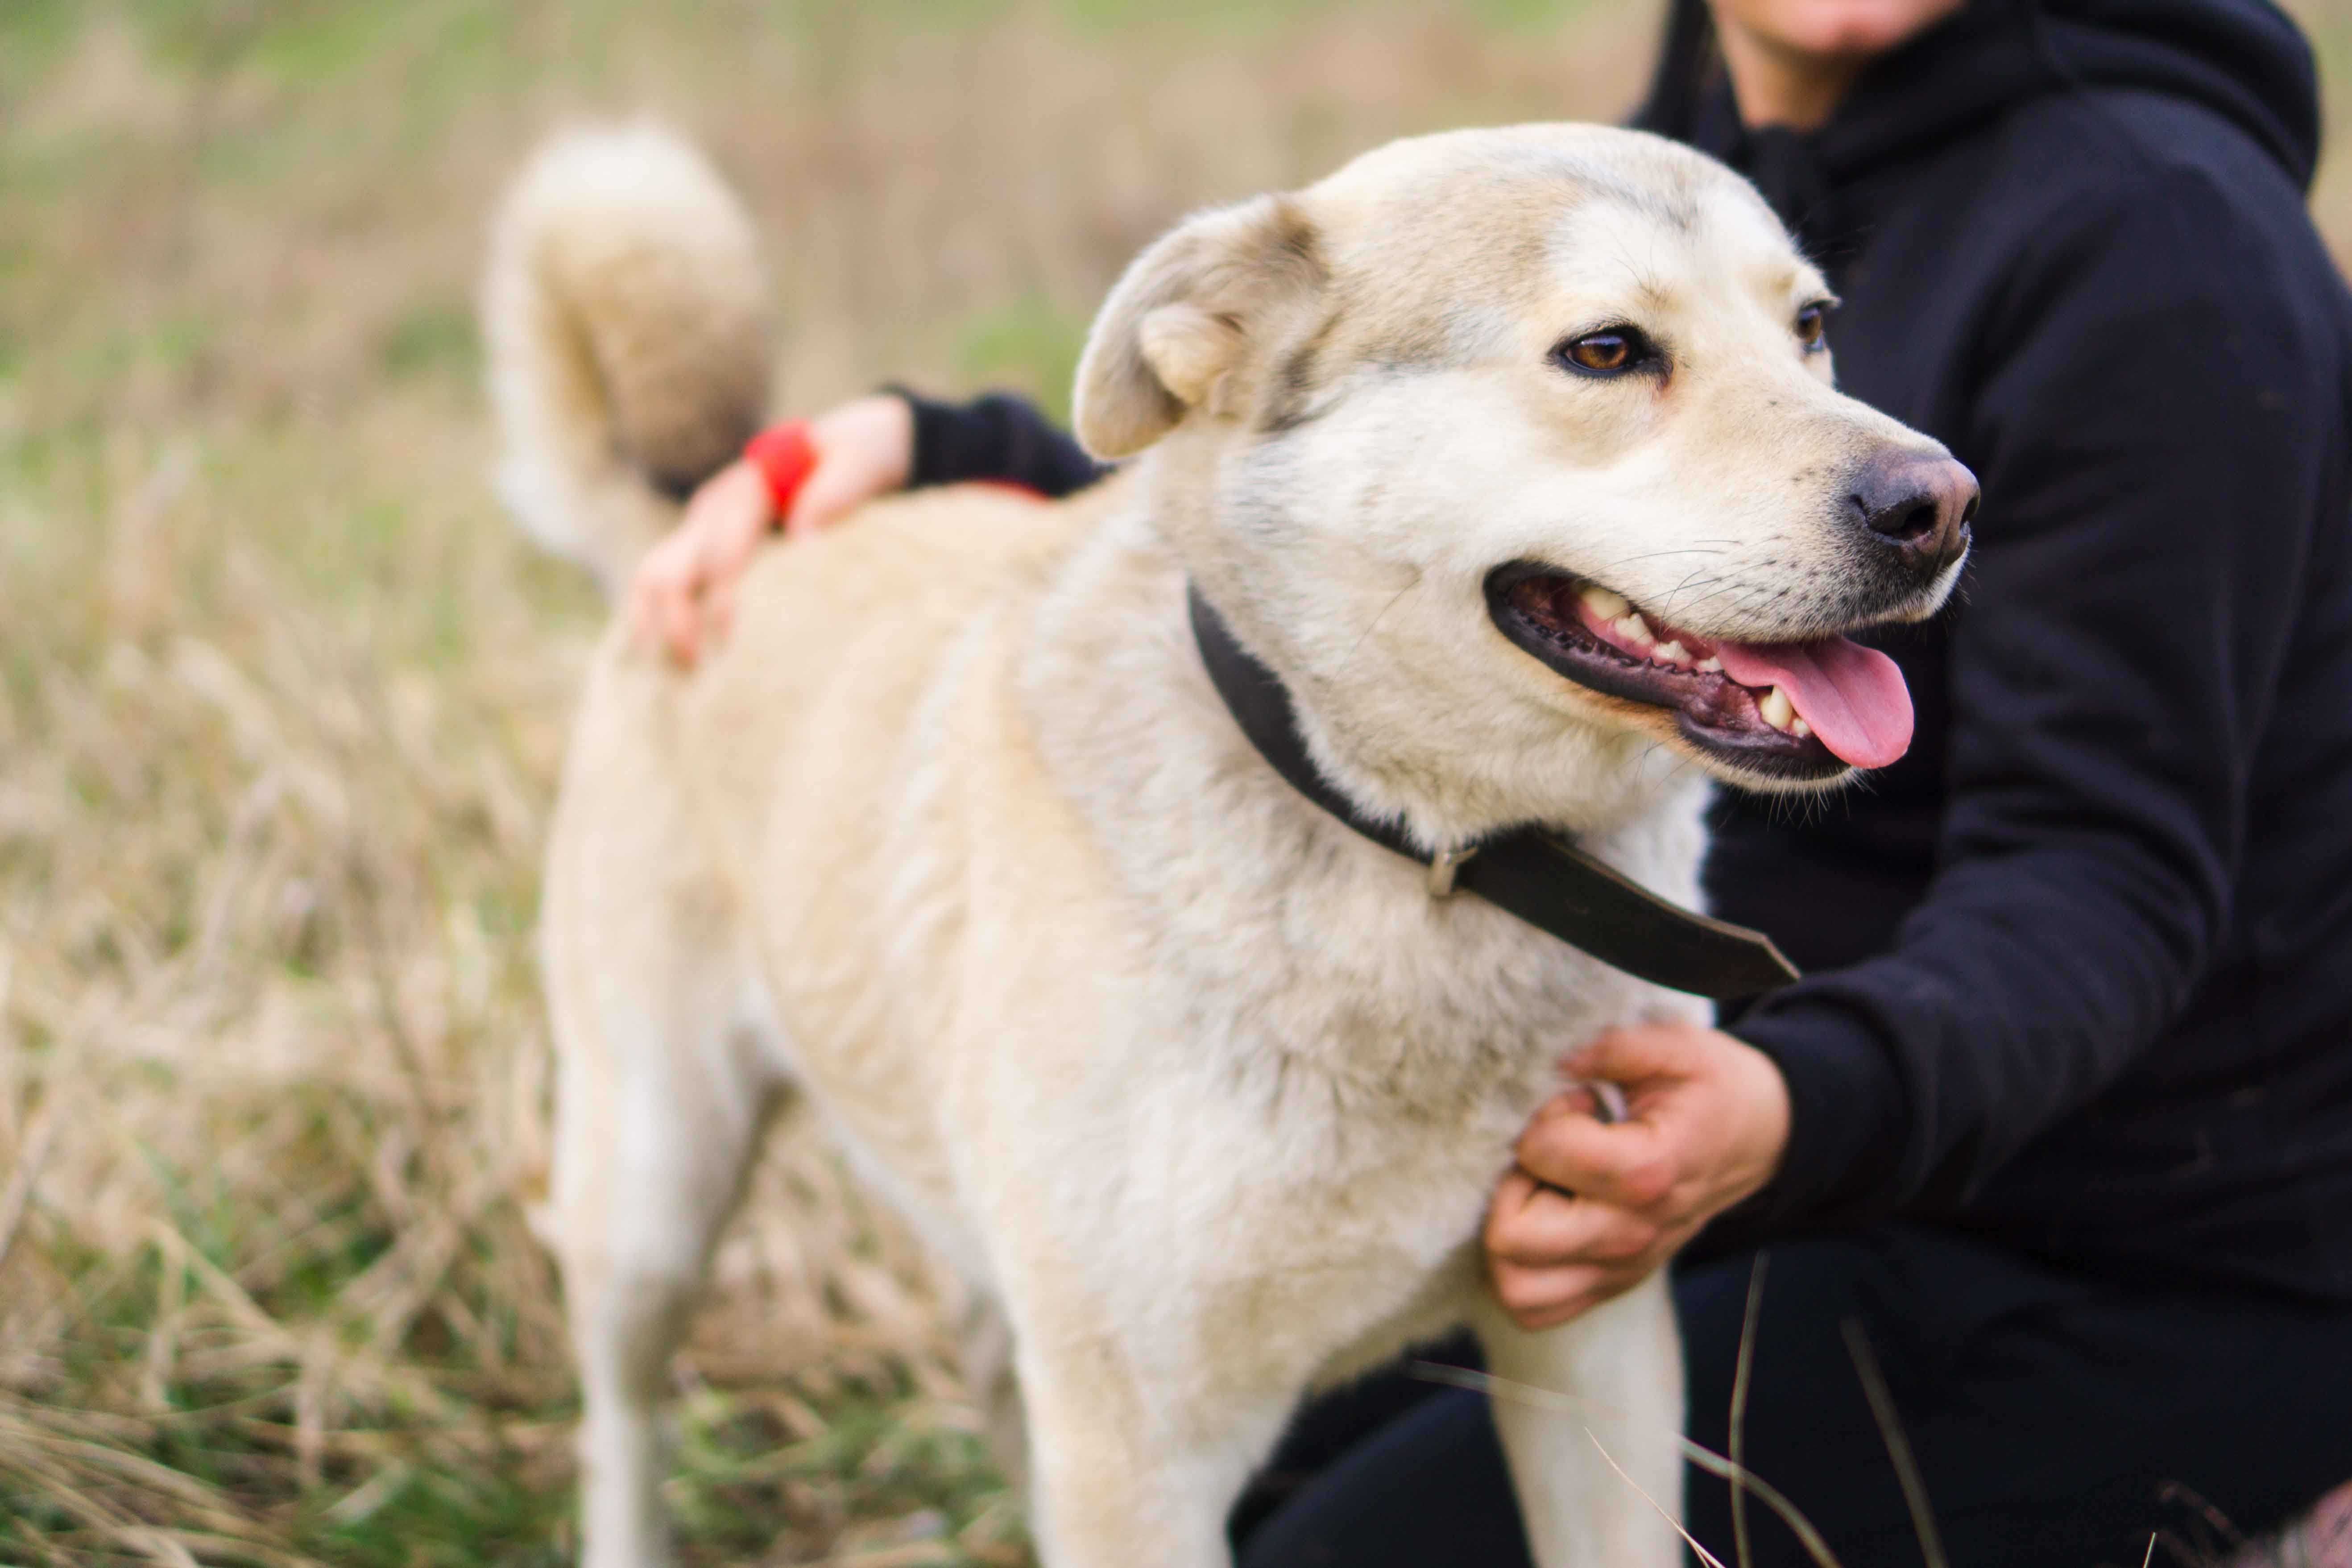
column 1852, row 695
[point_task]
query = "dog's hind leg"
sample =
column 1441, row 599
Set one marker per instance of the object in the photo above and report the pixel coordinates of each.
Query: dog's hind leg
column 1612, row 1386
column 987, row 1372
column 655, row 1135
column 663, row 1084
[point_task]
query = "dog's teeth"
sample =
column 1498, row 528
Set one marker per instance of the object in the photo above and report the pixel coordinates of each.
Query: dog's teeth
column 1777, row 710
column 1799, row 728
column 1710, row 666
column 1633, row 627
column 1609, row 607
column 1672, row 652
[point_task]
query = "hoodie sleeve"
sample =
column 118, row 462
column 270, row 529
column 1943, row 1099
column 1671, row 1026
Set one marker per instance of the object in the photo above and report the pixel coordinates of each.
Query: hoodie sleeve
column 2151, row 431
column 1001, row 438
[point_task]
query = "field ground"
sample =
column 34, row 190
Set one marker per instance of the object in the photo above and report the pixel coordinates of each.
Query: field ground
column 281, row 699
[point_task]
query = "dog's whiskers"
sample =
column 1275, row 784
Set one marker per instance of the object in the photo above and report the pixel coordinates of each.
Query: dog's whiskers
column 1660, row 554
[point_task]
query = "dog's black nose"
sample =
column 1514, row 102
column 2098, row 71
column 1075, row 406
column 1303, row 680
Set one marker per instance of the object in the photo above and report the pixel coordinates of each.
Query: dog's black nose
column 1917, row 504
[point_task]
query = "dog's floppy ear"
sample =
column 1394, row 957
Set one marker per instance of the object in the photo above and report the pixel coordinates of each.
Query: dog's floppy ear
column 1178, row 331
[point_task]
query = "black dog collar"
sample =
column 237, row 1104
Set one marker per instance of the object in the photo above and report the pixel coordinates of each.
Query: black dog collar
column 1537, row 875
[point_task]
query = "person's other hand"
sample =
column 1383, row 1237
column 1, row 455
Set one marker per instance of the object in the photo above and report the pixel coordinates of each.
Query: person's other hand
column 683, row 594
column 1593, row 1208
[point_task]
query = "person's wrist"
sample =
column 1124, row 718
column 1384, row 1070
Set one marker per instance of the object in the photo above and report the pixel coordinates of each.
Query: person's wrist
column 784, row 456
column 1764, row 1091
column 1848, row 1121
column 930, row 427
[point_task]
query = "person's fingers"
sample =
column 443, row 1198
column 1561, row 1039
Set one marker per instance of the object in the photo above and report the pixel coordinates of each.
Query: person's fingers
column 645, row 587
column 1628, row 1164
column 1534, row 1295
column 719, row 609
column 1547, row 1298
column 1553, row 1229
column 679, row 618
column 1580, row 1101
column 1629, row 1055
column 1507, row 1211
column 661, row 595
column 1550, row 1257
column 677, row 631
column 640, row 611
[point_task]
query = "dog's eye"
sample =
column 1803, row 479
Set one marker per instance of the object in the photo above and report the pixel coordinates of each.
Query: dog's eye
column 1612, row 351
column 1813, row 324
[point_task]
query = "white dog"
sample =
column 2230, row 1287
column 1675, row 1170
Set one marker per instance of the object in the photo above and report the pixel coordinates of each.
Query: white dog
column 1515, row 455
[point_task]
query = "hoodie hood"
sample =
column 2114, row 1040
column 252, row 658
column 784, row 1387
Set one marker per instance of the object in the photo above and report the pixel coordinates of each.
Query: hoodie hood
column 2243, row 59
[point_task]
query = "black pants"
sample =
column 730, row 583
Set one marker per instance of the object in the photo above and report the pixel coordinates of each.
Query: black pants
column 2057, row 1422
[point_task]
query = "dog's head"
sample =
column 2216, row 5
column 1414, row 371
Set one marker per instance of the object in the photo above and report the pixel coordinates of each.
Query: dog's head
column 1516, row 454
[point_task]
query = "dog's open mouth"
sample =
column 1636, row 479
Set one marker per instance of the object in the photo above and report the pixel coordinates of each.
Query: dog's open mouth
column 1792, row 710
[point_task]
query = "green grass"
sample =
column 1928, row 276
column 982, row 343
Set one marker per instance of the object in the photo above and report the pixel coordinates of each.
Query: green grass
column 1029, row 344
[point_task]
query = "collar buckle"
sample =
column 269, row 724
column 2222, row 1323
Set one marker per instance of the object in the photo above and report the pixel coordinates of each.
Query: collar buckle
column 1443, row 867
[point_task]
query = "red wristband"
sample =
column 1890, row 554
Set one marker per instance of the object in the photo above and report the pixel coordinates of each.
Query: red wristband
column 784, row 455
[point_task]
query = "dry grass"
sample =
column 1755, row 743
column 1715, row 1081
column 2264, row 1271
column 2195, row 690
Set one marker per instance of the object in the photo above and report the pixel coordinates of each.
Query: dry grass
column 281, row 699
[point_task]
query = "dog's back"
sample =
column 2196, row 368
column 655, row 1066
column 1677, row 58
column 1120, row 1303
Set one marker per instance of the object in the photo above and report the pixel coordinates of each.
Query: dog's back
column 626, row 312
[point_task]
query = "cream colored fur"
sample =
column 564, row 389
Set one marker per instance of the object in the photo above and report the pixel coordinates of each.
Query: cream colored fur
column 626, row 318
column 1201, row 1092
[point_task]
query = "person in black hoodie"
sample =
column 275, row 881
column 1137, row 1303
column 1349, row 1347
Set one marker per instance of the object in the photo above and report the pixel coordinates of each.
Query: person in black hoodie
column 2071, row 1073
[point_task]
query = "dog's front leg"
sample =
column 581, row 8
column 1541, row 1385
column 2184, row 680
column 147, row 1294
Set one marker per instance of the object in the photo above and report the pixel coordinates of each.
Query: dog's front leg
column 1614, row 1385
column 1113, row 1485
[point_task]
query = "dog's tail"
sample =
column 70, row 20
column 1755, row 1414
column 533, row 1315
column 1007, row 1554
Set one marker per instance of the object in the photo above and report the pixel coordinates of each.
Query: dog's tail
column 626, row 316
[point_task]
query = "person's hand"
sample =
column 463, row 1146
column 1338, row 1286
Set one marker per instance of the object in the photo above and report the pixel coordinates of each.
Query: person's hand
column 1593, row 1207
column 683, row 593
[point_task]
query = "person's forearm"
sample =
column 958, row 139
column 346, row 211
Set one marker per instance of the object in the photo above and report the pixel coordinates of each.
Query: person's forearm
column 999, row 437
column 2017, row 993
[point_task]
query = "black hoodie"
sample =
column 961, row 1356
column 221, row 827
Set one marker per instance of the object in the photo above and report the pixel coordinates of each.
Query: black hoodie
column 2083, row 958
column 2081, row 962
